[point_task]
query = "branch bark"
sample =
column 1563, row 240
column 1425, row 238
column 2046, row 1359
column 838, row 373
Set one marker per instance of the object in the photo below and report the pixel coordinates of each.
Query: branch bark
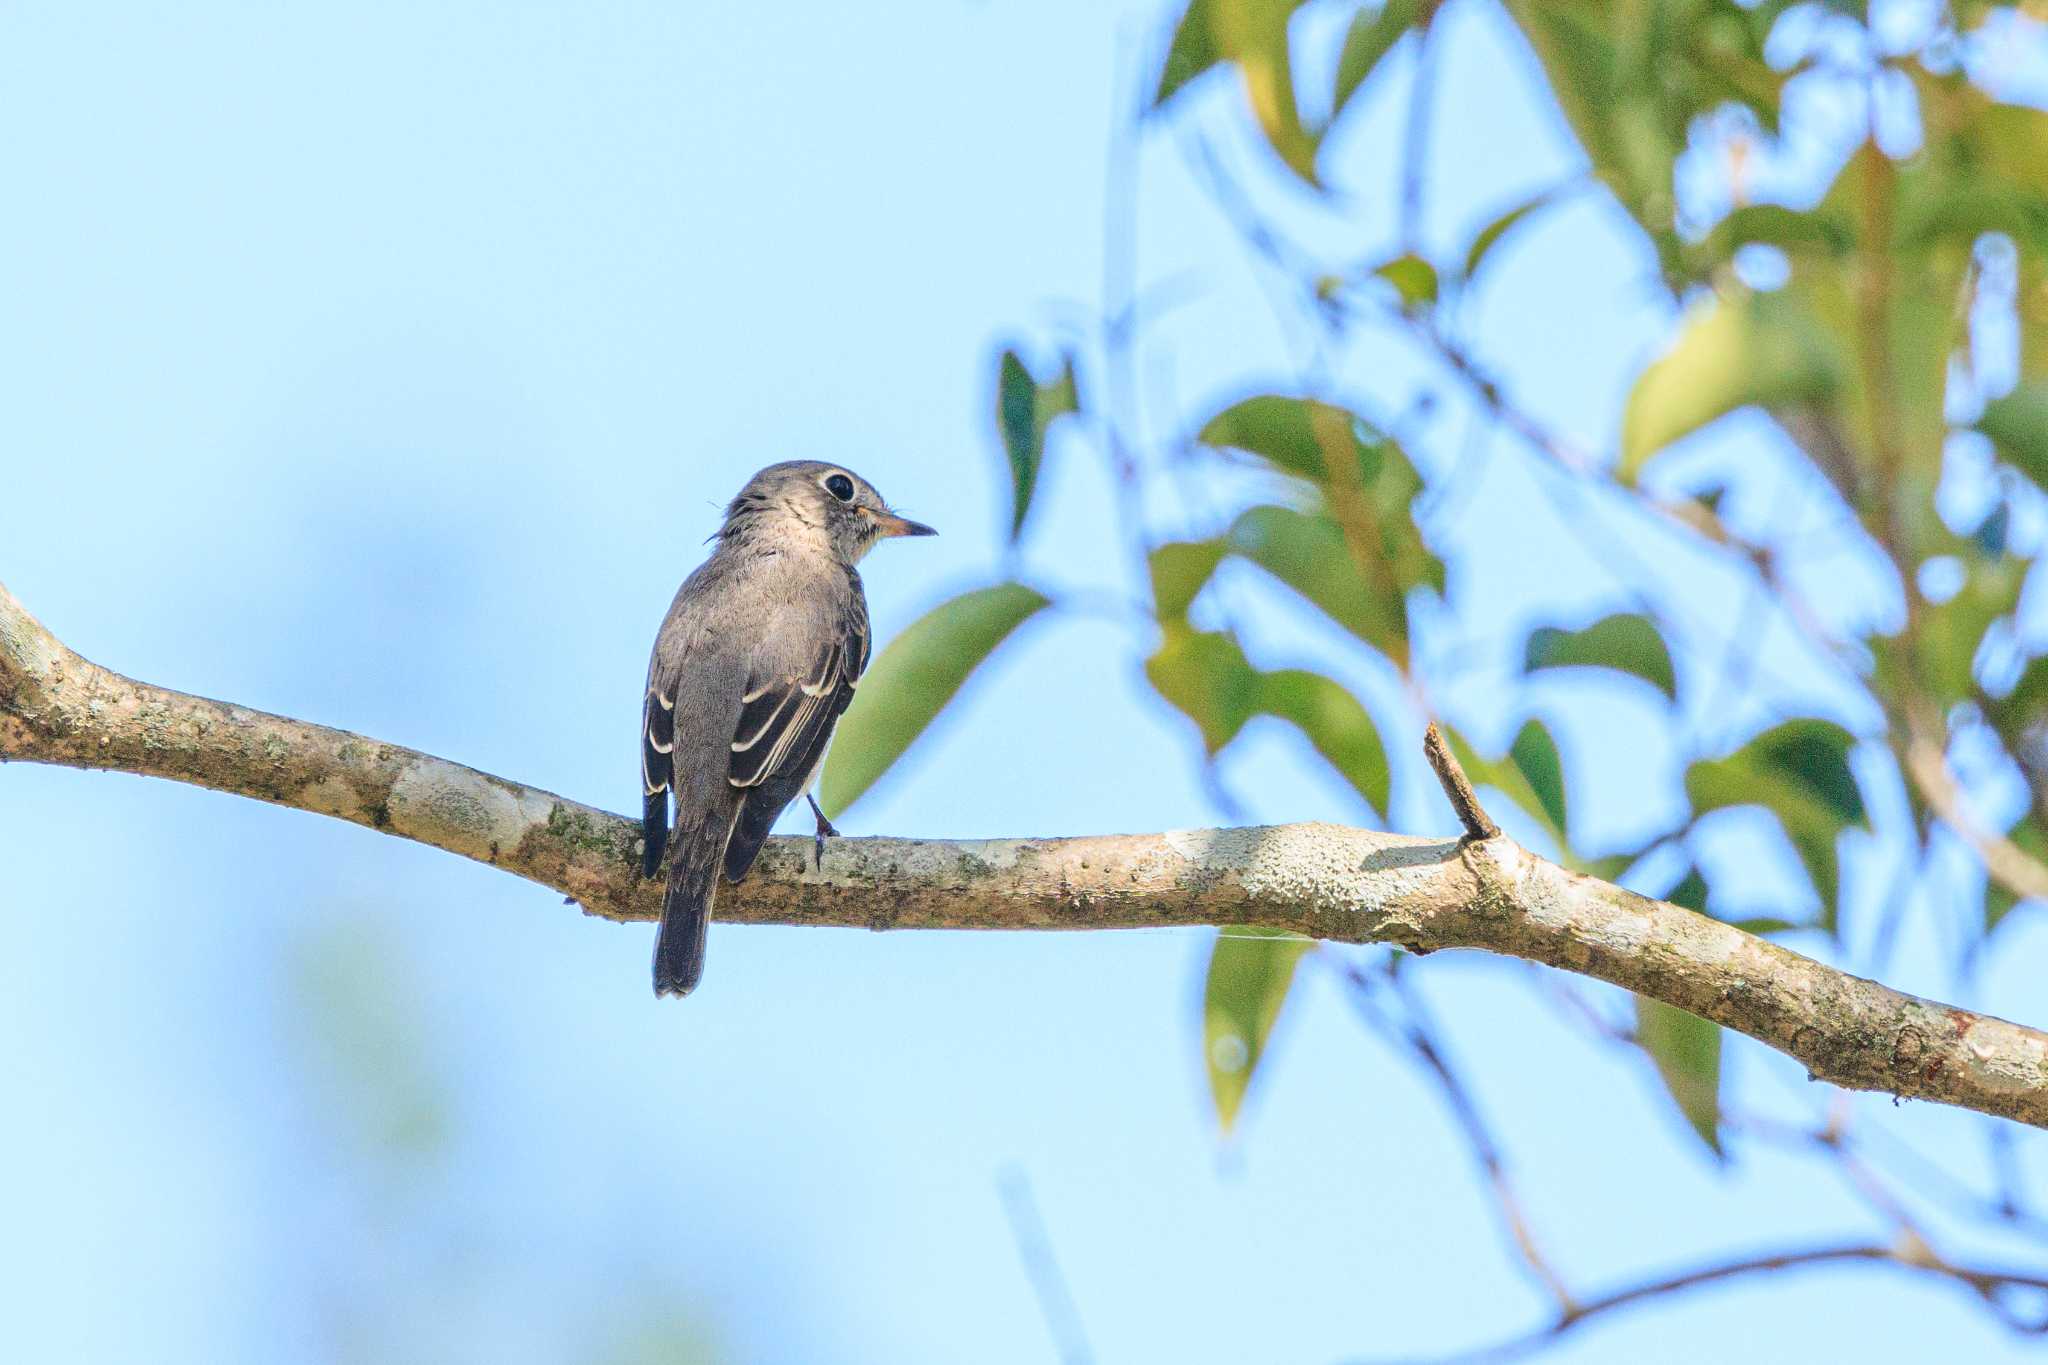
column 1346, row 885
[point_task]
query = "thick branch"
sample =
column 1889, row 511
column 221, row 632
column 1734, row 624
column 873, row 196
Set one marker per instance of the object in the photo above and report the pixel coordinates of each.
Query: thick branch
column 1341, row 884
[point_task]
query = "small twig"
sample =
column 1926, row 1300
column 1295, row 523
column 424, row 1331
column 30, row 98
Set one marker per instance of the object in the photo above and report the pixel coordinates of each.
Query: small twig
column 1478, row 824
column 1418, row 1034
column 1042, row 1268
column 1993, row 1286
column 1926, row 763
column 1415, row 137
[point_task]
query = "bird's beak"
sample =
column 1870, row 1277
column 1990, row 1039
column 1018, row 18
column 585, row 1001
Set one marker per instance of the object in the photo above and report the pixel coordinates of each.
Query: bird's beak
column 889, row 524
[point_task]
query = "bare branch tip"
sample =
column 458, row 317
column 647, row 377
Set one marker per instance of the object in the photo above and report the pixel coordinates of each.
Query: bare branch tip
column 1457, row 787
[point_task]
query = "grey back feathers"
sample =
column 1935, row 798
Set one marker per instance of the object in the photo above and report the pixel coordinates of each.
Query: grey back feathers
column 754, row 664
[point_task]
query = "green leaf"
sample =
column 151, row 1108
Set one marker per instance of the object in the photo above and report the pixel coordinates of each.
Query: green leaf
column 1306, row 551
column 1250, row 972
column 1691, row 892
column 1999, row 902
column 1626, row 642
column 1761, row 925
column 1339, row 728
column 1733, row 352
column 2020, row 709
column 1288, row 433
column 1952, row 632
column 1799, row 771
column 1253, row 33
column 2018, row 425
column 1373, row 33
column 1192, row 52
column 1534, row 755
column 1794, row 232
column 1180, row 570
column 1206, row 676
column 1490, row 235
column 907, row 687
column 1413, row 278
column 1687, row 1051
column 1025, row 410
column 1591, row 57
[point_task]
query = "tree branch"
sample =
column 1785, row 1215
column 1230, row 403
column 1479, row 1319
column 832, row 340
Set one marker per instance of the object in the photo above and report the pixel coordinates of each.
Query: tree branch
column 1346, row 885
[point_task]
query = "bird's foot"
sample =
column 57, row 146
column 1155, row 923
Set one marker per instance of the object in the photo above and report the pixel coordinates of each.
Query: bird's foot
column 825, row 830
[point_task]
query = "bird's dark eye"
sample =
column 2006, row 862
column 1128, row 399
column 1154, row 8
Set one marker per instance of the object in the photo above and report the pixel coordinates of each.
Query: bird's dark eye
column 840, row 487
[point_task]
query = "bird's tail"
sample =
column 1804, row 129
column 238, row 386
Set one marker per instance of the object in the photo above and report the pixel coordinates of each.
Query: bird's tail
column 686, row 912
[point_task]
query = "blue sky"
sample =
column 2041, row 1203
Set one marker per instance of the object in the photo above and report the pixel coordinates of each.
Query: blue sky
column 384, row 365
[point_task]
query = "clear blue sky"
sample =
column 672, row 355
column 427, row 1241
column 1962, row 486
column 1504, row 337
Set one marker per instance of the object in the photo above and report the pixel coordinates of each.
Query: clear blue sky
column 384, row 365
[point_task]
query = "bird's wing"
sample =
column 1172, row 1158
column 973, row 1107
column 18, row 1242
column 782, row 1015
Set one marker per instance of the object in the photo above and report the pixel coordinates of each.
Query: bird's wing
column 785, row 722
column 657, row 751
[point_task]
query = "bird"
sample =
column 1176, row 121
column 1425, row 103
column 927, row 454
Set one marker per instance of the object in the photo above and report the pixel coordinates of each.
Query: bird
column 753, row 666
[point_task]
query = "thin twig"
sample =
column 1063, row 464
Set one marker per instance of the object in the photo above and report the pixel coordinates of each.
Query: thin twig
column 1996, row 1288
column 1417, row 1032
column 1415, row 137
column 1042, row 1268
column 1926, row 762
column 1478, row 824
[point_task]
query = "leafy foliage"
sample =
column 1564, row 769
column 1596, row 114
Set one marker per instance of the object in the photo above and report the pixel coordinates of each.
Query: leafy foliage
column 1864, row 317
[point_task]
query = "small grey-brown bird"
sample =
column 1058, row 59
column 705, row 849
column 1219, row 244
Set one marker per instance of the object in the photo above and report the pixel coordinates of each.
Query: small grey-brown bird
column 756, row 660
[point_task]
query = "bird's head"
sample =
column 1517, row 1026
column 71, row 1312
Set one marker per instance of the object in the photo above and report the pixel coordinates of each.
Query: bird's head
column 826, row 504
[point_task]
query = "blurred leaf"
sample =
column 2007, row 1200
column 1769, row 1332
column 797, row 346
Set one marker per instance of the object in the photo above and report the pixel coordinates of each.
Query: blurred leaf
column 1285, row 432
column 1633, row 81
column 1534, row 755
column 2018, row 426
column 1307, row 552
column 1738, row 350
column 1192, row 52
column 1687, row 1051
column 1339, row 728
column 2025, row 706
column 1025, row 409
column 1413, row 278
column 1952, row 632
column 1625, row 642
column 1206, row 676
column 1180, row 570
column 1799, row 771
column 1250, row 972
column 1489, row 236
column 1374, row 31
column 1999, row 902
column 1599, row 88
column 1252, row 35
column 1691, row 892
column 1761, row 925
column 1361, row 580
column 907, row 687
column 357, row 1006
column 1790, row 230
column 1993, row 535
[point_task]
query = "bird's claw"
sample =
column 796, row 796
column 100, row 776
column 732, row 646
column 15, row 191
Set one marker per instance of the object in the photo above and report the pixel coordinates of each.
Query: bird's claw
column 825, row 830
